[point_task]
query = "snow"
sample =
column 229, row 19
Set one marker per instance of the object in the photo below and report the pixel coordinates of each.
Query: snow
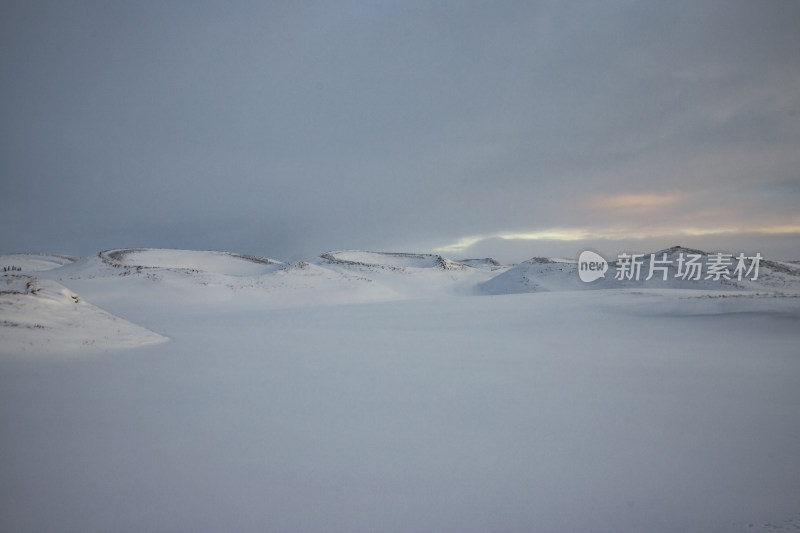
column 344, row 395
column 34, row 262
column 218, row 262
column 385, row 259
column 45, row 317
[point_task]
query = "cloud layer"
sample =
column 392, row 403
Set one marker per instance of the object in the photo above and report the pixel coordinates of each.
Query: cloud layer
column 288, row 129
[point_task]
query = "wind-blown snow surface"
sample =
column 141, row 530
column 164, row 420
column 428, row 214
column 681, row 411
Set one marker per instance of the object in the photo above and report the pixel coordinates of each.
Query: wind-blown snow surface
column 372, row 392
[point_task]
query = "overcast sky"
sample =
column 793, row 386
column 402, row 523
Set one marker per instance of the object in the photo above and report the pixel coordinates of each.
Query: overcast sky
column 512, row 129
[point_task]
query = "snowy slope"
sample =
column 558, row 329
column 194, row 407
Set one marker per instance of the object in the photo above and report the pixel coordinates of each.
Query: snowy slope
column 535, row 275
column 43, row 317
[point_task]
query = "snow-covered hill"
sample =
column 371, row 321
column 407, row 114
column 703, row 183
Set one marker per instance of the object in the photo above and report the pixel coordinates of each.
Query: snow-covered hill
column 40, row 316
column 408, row 275
column 535, row 275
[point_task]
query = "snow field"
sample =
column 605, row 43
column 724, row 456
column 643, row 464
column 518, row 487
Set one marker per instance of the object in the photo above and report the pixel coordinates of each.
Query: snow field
column 331, row 398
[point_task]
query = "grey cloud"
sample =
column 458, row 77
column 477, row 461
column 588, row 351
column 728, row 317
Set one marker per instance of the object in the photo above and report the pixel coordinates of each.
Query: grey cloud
column 284, row 129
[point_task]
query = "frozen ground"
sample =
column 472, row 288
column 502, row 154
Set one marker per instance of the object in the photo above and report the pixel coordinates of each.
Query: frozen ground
column 392, row 392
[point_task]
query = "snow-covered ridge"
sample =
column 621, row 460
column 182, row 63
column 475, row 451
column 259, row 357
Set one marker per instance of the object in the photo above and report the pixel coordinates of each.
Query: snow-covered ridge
column 483, row 262
column 348, row 269
column 390, row 260
column 227, row 263
column 33, row 262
